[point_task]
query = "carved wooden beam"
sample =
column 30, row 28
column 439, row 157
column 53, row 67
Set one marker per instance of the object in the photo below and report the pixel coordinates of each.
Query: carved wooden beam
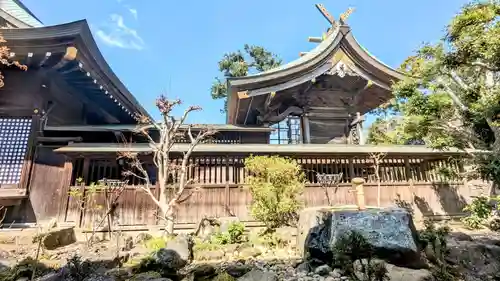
column 315, row 39
column 272, row 117
column 69, row 56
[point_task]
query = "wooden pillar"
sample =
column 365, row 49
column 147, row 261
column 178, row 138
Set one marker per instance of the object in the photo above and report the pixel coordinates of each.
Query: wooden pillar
column 227, row 194
column 408, row 169
column 306, row 129
column 357, row 184
column 359, row 127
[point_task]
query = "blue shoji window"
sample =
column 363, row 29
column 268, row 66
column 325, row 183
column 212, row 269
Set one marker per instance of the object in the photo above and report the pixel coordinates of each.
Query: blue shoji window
column 14, row 134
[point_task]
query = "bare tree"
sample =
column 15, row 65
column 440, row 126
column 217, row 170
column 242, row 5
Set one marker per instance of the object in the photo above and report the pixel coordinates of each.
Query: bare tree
column 5, row 59
column 171, row 130
column 377, row 159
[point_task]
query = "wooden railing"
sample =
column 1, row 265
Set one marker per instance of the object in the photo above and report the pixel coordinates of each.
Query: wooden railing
column 230, row 169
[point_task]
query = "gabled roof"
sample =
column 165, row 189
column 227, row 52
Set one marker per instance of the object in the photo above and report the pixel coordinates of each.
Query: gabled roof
column 46, row 47
column 15, row 12
column 339, row 45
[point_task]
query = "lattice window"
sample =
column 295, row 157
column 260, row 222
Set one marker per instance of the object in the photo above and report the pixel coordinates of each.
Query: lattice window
column 287, row 131
column 14, row 134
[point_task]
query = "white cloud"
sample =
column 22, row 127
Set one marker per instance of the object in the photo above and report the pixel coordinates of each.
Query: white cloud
column 115, row 33
column 133, row 12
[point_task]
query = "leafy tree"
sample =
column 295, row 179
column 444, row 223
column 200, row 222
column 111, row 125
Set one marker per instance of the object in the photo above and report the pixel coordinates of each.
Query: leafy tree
column 451, row 97
column 275, row 183
column 238, row 64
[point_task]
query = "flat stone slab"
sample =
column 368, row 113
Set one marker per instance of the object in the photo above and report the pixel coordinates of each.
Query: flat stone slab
column 390, row 232
column 391, row 229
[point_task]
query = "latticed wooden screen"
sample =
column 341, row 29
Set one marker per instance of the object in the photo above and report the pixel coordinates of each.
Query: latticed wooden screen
column 14, row 134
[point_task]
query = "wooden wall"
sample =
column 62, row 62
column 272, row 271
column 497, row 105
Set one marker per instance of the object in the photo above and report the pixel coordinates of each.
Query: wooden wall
column 412, row 182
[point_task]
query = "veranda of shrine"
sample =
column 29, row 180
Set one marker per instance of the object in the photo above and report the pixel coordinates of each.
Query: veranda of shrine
column 67, row 116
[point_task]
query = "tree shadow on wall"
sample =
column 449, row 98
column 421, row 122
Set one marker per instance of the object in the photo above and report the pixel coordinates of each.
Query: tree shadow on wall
column 451, row 202
column 422, row 205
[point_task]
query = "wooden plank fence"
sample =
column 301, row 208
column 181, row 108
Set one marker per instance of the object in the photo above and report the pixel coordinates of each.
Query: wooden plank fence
column 412, row 182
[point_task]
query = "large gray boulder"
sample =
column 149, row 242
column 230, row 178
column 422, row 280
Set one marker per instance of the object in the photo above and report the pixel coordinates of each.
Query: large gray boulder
column 183, row 246
column 56, row 238
column 390, row 232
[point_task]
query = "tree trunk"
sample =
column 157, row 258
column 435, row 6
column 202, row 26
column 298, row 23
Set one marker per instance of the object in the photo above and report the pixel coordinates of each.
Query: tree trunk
column 169, row 226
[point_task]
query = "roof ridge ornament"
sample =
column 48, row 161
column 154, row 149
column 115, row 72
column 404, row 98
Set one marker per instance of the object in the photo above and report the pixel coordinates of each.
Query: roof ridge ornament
column 343, row 17
column 334, row 24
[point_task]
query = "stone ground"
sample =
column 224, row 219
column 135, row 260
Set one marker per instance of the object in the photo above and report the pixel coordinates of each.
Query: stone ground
column 472, row 251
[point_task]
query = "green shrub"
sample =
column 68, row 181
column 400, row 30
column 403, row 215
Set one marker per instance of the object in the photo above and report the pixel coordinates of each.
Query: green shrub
column 233, row 235
column 270, row 240
column 206, row 246
column 78, row 269
column 351, row 249
column 479, row 211
column 220, row 238
column 236, row 230
column 275, row 184
column 156, row 243
column 435, row 237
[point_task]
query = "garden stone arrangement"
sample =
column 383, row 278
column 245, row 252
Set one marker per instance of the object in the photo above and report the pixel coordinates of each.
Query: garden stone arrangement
column 390, row 232
column 336, row 244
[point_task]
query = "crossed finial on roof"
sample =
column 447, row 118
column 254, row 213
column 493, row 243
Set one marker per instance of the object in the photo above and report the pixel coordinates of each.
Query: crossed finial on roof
column 342, row 21
column 343, row 17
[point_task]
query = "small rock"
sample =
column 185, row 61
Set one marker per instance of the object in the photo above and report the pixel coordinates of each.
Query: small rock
column 303, row 267
column 258, row 275
column 203, row 272
column 224, row 276
column 323, row 270
column 336, row 273
column 119, row 273
column 237, row 270
column 149, row 276
column 396, row 273
column 209, row 255
column 169, row 259
column 250, row 252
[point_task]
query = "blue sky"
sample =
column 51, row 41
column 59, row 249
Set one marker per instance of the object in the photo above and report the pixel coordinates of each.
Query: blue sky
column 173, row 47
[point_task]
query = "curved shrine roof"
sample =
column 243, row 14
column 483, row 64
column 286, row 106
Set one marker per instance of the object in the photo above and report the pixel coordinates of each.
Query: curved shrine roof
column 88, row 64
column 339, row 45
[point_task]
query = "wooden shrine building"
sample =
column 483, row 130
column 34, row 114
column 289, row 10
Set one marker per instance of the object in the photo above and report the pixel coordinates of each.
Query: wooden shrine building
column 63, row 121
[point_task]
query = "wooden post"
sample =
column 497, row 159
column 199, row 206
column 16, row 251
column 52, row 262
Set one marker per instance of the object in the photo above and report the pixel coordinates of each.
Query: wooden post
column 227, row 194
column 305, row 127
column 357, row 184
column 359, row 127
column 409, row 176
